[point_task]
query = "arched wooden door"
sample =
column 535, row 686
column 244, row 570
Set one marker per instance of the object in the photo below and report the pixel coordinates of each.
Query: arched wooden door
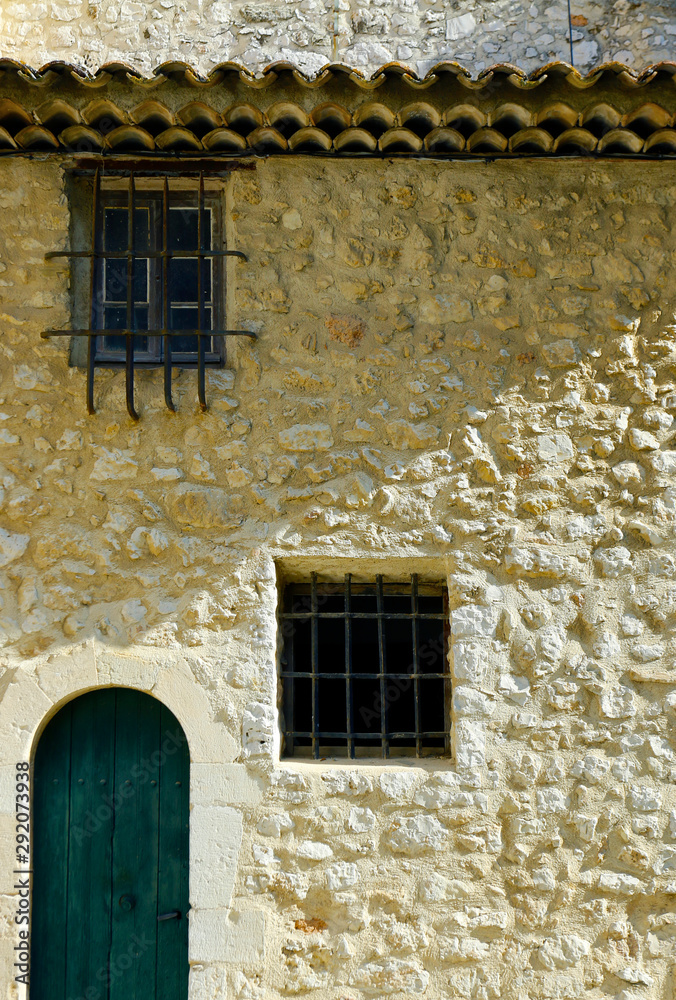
column 110, row 852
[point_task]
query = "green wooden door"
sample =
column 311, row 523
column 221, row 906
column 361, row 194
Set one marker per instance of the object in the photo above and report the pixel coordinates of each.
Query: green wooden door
column 110, row 852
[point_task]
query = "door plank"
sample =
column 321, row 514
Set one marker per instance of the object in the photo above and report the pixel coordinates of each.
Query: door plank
column 50, row 822
column 89, row 844
column 172, row 950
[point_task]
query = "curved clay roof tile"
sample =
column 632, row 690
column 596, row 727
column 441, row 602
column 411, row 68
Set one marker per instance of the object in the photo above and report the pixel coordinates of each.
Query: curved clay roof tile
column 13, row 117
column 57, row 115
column 420, row 118
column 510, row 118
column 575, row 141
column 310, row 140
column 82, row 139
column 531, row 141
column 267, row 140
column 178, row 140
column 130, row 138
column 465, row 118
column 374, row 117
column 243, row 118
column 556, row 118
column 36, row 137
column 199, row 118
column 287, row 117
column 662, row 143
column 103, row 115
column 331, row 118
column 355, row 140
column 647, row 119
column 153, row 116
column 487, row 140
column 444, row 140
column 224, row 140
column 399, row 140
column 599, row 119
column 620, row 140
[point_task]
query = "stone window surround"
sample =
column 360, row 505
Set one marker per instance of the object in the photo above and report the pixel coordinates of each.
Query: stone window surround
column 473, row 629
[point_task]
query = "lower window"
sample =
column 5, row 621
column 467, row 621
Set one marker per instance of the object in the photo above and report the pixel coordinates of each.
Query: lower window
column 365, row 669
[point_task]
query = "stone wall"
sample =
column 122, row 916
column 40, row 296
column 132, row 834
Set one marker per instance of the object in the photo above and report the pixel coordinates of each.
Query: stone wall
column 362, row 33
column 462, row 369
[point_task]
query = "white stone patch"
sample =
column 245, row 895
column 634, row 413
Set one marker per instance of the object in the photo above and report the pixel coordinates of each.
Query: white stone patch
column 562, row 951
column 342, row 875
column 360, row 820
column 614, row 561
column 391, row 975
column 312, row 850
column 555, row 448
column 416, row 835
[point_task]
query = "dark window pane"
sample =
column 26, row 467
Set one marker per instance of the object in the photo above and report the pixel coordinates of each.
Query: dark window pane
column 182, row 233
column 366, row 711
column 116, row 229
column 400, row 705
column 390, row 702
column 398, row 646
column 118, row 344
column 115, row 318
column 431, row 647
column 365, row 656
column 302, row 705
column 432, row 706
column 331, row 638
column 116, row 281
column 183, row 280
column 187, row 319
column 300, row 644
column 332, row 710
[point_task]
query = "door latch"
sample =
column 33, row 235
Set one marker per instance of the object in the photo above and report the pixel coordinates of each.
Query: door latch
column 172, row 915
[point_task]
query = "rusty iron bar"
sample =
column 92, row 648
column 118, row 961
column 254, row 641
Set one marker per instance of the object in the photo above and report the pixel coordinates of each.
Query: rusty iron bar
column 131, row 312
column 91, row 344
column 151, row 254
column 165, row 297
column 150, row 333
column 201, row 346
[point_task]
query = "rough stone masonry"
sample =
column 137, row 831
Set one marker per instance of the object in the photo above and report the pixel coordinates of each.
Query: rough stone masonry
column 364, row 34
column 468, row 370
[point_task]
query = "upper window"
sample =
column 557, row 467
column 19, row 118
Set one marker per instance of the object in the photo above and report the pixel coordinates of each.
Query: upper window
column 149, row 289
column 365, row 669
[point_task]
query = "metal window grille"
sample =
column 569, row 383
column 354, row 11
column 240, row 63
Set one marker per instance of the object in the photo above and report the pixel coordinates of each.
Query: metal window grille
column 365, row 669
column 141, row 308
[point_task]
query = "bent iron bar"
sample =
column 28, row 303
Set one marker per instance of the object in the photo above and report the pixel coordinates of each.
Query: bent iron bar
column 98, row 253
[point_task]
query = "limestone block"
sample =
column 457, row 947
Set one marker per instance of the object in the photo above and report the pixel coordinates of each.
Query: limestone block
column 215, row 841
column 391, row 975
column 473, row 621
column 228, row 937
column 73, row 673
column 415, row 835
column 306, row 437
column 224, row 785
column 470, row 659
column 22, row 709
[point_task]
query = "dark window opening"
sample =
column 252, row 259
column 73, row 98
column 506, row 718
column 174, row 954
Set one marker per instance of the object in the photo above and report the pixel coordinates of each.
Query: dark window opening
column 365, row 669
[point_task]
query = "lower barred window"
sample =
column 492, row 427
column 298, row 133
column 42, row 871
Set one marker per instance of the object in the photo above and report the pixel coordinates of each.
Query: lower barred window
column 365, row 669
